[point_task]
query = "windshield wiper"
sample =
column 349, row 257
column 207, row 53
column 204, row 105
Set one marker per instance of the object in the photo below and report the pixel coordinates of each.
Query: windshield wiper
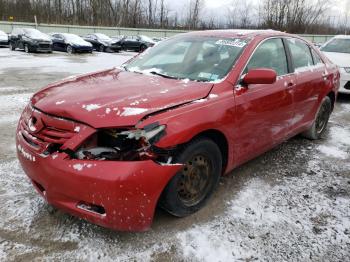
column 162, row 75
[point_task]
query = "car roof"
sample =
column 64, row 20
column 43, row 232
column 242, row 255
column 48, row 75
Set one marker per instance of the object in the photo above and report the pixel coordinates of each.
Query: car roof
column 237, row 33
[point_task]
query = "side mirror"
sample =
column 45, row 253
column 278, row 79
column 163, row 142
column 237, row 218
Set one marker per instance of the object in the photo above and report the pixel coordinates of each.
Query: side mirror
column 260, row 76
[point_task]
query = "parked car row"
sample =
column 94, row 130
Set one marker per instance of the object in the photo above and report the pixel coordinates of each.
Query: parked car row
column 32, row 40
column 4, row 39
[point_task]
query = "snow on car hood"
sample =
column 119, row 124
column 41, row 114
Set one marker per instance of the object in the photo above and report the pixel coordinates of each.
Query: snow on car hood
column 109, row 42
column 81, row 42
column 75, row 40
column 114, row 97
column 340, row 59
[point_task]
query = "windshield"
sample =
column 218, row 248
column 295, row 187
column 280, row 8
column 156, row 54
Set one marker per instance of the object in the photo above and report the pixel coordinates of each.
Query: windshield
column 337, row 45
column 146, row 38
column 33, row 33
column 103, row 37
column 194, row 58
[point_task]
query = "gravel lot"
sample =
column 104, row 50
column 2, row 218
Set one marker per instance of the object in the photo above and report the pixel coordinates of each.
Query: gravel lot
column 291, row 203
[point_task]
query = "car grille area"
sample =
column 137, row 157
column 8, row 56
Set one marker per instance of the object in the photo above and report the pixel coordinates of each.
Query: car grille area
column 44, row 45
column 44, row 133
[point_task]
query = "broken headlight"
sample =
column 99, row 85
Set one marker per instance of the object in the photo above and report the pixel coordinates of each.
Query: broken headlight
column 127, row 145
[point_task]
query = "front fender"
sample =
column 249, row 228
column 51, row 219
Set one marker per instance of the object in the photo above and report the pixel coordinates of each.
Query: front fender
column 184, row 123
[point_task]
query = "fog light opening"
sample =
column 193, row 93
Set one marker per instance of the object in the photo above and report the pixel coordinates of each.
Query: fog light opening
column 95, row 209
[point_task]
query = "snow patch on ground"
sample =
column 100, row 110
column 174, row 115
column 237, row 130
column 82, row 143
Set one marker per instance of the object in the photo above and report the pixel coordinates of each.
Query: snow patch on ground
column 297, row 215
column 332, row 151
column 338, row 146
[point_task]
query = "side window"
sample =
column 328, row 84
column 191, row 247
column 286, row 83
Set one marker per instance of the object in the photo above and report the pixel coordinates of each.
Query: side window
column 300, row 52
column 270, row 54
column 317, row 58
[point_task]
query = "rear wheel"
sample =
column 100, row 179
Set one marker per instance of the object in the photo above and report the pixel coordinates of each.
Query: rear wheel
column 191, row 187
column 321, row 120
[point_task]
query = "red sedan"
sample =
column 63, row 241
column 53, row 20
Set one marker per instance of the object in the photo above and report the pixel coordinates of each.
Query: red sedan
column 111, row 146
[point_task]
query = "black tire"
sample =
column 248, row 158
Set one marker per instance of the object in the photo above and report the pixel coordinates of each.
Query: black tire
column 143, row 48
column 320, row 123
column 70, row 49
column 101, row 48
column 12, row 47
column 55, row 47
column 203, row 166
column 26, row 48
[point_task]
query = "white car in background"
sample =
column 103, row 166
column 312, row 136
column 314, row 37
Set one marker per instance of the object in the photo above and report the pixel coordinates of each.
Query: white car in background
column 337, row 50
column 4, row 39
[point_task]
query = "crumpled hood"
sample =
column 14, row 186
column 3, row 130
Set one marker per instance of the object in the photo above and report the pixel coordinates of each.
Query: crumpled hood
column 340, row 59
column 115, row 98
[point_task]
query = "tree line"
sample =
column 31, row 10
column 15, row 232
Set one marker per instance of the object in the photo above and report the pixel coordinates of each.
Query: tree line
column 295, row 16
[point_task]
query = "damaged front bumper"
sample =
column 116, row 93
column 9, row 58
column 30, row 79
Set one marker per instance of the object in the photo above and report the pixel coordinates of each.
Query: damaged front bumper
column 121, row 195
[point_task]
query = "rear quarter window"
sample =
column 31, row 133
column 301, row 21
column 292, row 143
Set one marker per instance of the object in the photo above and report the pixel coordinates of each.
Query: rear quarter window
column 316, row 57
column 301, row 53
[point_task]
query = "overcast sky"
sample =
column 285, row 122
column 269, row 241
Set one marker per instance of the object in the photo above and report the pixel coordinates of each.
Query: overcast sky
column 217, row 8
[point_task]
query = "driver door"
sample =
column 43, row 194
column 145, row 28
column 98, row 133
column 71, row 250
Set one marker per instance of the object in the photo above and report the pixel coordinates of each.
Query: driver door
column 264, row 112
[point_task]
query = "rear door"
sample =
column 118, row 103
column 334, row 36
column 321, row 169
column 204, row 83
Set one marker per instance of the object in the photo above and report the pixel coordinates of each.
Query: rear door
column 264, row 112
column 311, row 80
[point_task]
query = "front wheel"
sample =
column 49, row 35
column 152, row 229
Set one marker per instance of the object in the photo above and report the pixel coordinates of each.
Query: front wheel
column 143, row 48
column 102, row 48
column 191, row 187
column 70, row 49
column 12, row 47
column 320, row 123
column 26, row 48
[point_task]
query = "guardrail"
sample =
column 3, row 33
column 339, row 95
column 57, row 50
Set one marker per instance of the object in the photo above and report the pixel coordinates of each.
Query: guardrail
column 83, row 30
column 112, row 31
